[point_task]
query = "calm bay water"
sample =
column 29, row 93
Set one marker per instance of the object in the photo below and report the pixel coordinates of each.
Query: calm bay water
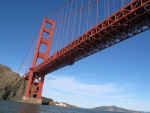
column 16, row 107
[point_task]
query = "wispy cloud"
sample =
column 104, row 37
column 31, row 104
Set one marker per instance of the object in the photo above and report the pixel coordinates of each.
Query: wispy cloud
column 72, row 85
column 70, row 89
column 77, row 92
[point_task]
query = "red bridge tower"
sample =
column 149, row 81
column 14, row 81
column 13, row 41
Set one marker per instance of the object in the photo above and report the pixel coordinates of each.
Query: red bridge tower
column 35, row 80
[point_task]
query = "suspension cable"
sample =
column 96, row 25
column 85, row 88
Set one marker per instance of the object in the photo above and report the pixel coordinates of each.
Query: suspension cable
column 29, row 49
column 59, row 8
column 77, row 10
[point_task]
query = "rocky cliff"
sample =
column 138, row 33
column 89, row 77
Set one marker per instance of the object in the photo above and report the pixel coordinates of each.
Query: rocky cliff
column 12, row 86
column 13, row 83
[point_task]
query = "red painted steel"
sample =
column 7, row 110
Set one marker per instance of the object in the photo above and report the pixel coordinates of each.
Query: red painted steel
column 36, row 80
column 129, row 21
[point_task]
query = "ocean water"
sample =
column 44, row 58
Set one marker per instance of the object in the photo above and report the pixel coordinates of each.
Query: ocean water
column 16, row 107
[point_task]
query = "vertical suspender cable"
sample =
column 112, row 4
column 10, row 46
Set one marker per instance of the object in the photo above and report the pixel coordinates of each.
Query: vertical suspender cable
column 113, row 6
column 55, row 32
column 54, row 38
column 88, row 15
column 80, row 19
column 122, row 2
column 84, row 22
column 96, row 11
column 52, row 16
column 74, row 21
column 61, row 32
column 58, row 36
column 67, row 34
column 64, row 28
column 108, row 8
column 104, row 9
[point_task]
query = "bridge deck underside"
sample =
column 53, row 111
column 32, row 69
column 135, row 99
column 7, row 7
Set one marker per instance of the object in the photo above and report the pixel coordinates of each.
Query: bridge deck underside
column 127, row 22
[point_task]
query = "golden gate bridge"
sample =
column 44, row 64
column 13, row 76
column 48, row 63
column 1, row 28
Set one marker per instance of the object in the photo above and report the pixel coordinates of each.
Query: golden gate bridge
column 80, row 28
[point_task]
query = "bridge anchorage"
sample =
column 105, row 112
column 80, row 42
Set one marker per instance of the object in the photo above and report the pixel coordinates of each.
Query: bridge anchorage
column 132, row 19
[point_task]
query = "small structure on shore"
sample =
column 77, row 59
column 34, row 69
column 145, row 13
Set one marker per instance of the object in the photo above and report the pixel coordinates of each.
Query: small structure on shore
column 62, row 104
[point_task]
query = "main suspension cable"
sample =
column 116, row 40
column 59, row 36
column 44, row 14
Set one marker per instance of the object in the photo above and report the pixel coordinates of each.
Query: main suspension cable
column 28, row 50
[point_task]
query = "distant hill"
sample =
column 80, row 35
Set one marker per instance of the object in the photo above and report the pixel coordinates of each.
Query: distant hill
column 72, row 106
column 114, row 108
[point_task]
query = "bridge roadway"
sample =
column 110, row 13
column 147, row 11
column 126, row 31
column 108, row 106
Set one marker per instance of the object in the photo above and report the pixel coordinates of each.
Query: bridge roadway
column 129, row 21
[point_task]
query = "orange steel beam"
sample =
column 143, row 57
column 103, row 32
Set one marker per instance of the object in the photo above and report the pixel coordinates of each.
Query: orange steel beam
column 129, row 21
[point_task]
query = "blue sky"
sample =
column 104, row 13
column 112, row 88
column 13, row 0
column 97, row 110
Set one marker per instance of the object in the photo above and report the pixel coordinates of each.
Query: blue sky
column 118, row 75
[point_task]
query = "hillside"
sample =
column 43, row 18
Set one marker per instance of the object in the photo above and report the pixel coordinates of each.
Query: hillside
column 114, row 108
column 14, row 84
